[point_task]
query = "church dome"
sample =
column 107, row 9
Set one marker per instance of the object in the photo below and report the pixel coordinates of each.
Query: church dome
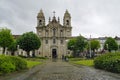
column 40, row 14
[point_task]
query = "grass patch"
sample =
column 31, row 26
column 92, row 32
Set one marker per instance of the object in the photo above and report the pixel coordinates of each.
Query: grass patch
column 35, row 59
column 75, row 59
column 84, row 62
column 31, row 64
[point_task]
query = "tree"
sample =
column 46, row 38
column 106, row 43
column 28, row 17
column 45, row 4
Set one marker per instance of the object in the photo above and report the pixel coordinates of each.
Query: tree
column 13, row 47
column 29, row 42
column 71, row 43
column 110, row 44
column 80, row 44
column 95, row 45
column 6, row 38
column 77, row 45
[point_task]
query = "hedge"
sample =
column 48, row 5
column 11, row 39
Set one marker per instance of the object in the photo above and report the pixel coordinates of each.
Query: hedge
column 109, row 62
column 11, row 63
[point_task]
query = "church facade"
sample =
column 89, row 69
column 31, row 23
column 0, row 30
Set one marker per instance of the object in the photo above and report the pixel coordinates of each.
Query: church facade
column 54, row 36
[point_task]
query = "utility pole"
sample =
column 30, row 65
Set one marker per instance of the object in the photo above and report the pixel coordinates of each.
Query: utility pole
column 90, row 46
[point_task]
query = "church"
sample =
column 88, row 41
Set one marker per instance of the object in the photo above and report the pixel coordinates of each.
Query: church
column 54, row 35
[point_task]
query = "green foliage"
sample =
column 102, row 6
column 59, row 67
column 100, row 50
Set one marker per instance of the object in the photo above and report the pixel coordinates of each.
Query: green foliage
column 13, row 47
column 80, row 44
column 109, row 62
column 95, row 44
column 71, row 43
column 6, row 38
column 70, row 56
column 75, row 59
column 11, row 63
column 18, row 62
column 77, row 45
column 29, row 42
column 31, row 64
column 7, row 67
column 110, row 44
column 85, row 62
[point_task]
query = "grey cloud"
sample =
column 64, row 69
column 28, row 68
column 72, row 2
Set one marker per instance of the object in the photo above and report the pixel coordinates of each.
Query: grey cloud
column 89, row 17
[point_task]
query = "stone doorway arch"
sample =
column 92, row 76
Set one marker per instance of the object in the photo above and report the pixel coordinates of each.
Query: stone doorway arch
column 54, row 53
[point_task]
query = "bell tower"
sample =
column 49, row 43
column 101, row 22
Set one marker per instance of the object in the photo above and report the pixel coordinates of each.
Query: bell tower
column 40, row 19
column 67, row 19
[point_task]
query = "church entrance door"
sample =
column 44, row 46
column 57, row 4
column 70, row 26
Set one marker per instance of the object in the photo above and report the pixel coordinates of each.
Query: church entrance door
column 54, row 53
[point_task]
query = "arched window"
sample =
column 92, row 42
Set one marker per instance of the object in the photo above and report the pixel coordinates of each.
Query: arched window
column 46, row 41
column 54, row 31
column 67, row 22
column 61, row 33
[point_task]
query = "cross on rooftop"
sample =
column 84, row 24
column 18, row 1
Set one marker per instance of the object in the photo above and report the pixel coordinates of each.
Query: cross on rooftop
column 54, row 13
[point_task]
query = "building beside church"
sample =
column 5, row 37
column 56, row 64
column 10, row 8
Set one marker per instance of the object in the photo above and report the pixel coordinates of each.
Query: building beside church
column 53, row 35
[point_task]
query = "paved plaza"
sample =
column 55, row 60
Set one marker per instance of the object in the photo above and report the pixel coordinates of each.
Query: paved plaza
column 60, row 70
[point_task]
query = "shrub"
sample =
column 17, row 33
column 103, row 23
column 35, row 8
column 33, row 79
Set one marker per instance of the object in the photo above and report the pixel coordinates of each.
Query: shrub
column 11, row 63
column 7, row 67
column 19, row 63
column 109, row 62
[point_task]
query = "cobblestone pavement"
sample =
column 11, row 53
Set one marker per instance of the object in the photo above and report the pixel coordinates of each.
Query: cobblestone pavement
column 58, row 70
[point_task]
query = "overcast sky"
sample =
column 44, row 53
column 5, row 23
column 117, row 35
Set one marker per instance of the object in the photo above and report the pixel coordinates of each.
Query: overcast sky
column 98, row 18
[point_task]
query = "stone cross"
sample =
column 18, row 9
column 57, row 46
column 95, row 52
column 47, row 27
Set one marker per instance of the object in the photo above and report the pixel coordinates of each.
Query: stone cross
column 54, row 13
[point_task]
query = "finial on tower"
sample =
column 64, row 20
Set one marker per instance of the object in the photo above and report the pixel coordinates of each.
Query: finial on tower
column 53, row 13
column 41, row 10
